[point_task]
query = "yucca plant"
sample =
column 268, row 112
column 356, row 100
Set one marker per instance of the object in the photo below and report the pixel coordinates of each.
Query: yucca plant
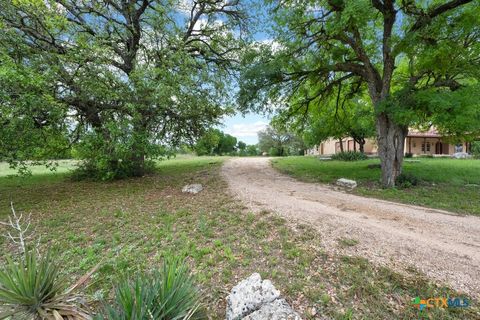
column 166, row 294
column 33, row 289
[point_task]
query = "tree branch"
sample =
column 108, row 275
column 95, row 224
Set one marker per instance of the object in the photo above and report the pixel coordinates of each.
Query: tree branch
column 426, row 18
column 389, row 15
column 377, row 4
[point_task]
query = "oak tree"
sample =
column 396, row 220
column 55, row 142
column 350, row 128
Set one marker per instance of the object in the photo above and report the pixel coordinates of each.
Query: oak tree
column 132, row 77
column 323, row 44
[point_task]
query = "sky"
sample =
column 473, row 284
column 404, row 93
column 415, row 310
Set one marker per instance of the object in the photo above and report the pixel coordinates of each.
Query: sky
column 245, row 128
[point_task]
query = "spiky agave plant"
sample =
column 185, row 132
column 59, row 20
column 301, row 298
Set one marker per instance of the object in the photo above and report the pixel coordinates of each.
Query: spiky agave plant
column 166, row 294
column 33, row 289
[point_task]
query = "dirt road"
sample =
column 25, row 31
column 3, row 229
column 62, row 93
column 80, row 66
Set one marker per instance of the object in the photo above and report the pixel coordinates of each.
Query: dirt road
column 443, row 245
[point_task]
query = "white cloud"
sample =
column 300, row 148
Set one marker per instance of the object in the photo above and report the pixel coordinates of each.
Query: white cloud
column 273, row 44
column 246, row 129
column 184, row 6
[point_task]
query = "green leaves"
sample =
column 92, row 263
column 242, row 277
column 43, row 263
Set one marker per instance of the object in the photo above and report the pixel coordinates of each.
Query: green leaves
column 456, row 114
column 277, row 141
column 137, row 78
column 215, row 142
column 30, row 284
column 32, row 122
column 166, row 294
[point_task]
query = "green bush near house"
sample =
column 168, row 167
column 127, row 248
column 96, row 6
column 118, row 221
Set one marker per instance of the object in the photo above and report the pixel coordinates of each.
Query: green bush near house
column 274, row 152
column 406, row 180
column 349, row 156
column 475, row 149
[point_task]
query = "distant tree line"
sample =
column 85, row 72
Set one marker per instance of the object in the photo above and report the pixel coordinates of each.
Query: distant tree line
column 216, row 142
column 272, row 141
column 278, row 142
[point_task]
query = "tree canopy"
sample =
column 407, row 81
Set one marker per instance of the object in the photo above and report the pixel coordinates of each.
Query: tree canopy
column 122, row 79
column 215, row 142
column 125, row 81
column 278, row 142
column 401, row 52
column 344, row 115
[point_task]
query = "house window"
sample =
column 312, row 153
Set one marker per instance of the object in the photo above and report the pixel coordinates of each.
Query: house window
column 459, row 148
column 426, row 147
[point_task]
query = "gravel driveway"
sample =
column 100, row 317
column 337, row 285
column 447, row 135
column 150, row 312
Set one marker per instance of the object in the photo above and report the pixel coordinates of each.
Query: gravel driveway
column 443, row 245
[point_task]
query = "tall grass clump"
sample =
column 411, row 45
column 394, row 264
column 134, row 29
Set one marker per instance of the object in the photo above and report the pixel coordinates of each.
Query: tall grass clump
column 166, row 294
column 32, row 288
column 30, row 283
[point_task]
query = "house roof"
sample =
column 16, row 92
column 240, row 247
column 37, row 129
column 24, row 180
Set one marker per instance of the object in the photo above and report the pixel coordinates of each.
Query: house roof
column 431, row 133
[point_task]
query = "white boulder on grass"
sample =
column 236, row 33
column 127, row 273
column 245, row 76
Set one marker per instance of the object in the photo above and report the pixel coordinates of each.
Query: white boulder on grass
column 256, row 299
column 346, row 183
column 249, row 295
column 461, row 155
column 192, row 188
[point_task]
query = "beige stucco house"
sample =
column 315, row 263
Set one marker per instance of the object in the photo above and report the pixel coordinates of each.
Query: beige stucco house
column 417, row 143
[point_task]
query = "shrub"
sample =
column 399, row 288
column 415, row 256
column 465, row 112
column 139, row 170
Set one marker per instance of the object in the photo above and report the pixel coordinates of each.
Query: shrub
column 406, row 180
column 33, row 289
column 408, row 155
column 252, row 150
column 475, row 149
column 167, row 294
column 349, row 156
column 105, row 169
column 274, row 152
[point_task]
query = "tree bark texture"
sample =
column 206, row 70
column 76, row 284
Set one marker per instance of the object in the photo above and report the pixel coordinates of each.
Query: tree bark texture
column 391, row 148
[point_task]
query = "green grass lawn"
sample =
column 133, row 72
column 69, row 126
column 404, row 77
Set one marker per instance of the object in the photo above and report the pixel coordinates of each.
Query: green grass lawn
column 130, row 225
column 450, row 184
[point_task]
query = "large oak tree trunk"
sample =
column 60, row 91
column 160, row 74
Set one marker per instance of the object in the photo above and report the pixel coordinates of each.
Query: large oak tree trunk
column 138, row 164
column 138, row 150
column 391, row 144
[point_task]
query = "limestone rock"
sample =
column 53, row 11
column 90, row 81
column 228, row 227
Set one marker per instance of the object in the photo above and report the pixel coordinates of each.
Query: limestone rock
column 346, row 183
column 461, row 155
column 192, row 188
column 249, row 295
column 276, row 310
